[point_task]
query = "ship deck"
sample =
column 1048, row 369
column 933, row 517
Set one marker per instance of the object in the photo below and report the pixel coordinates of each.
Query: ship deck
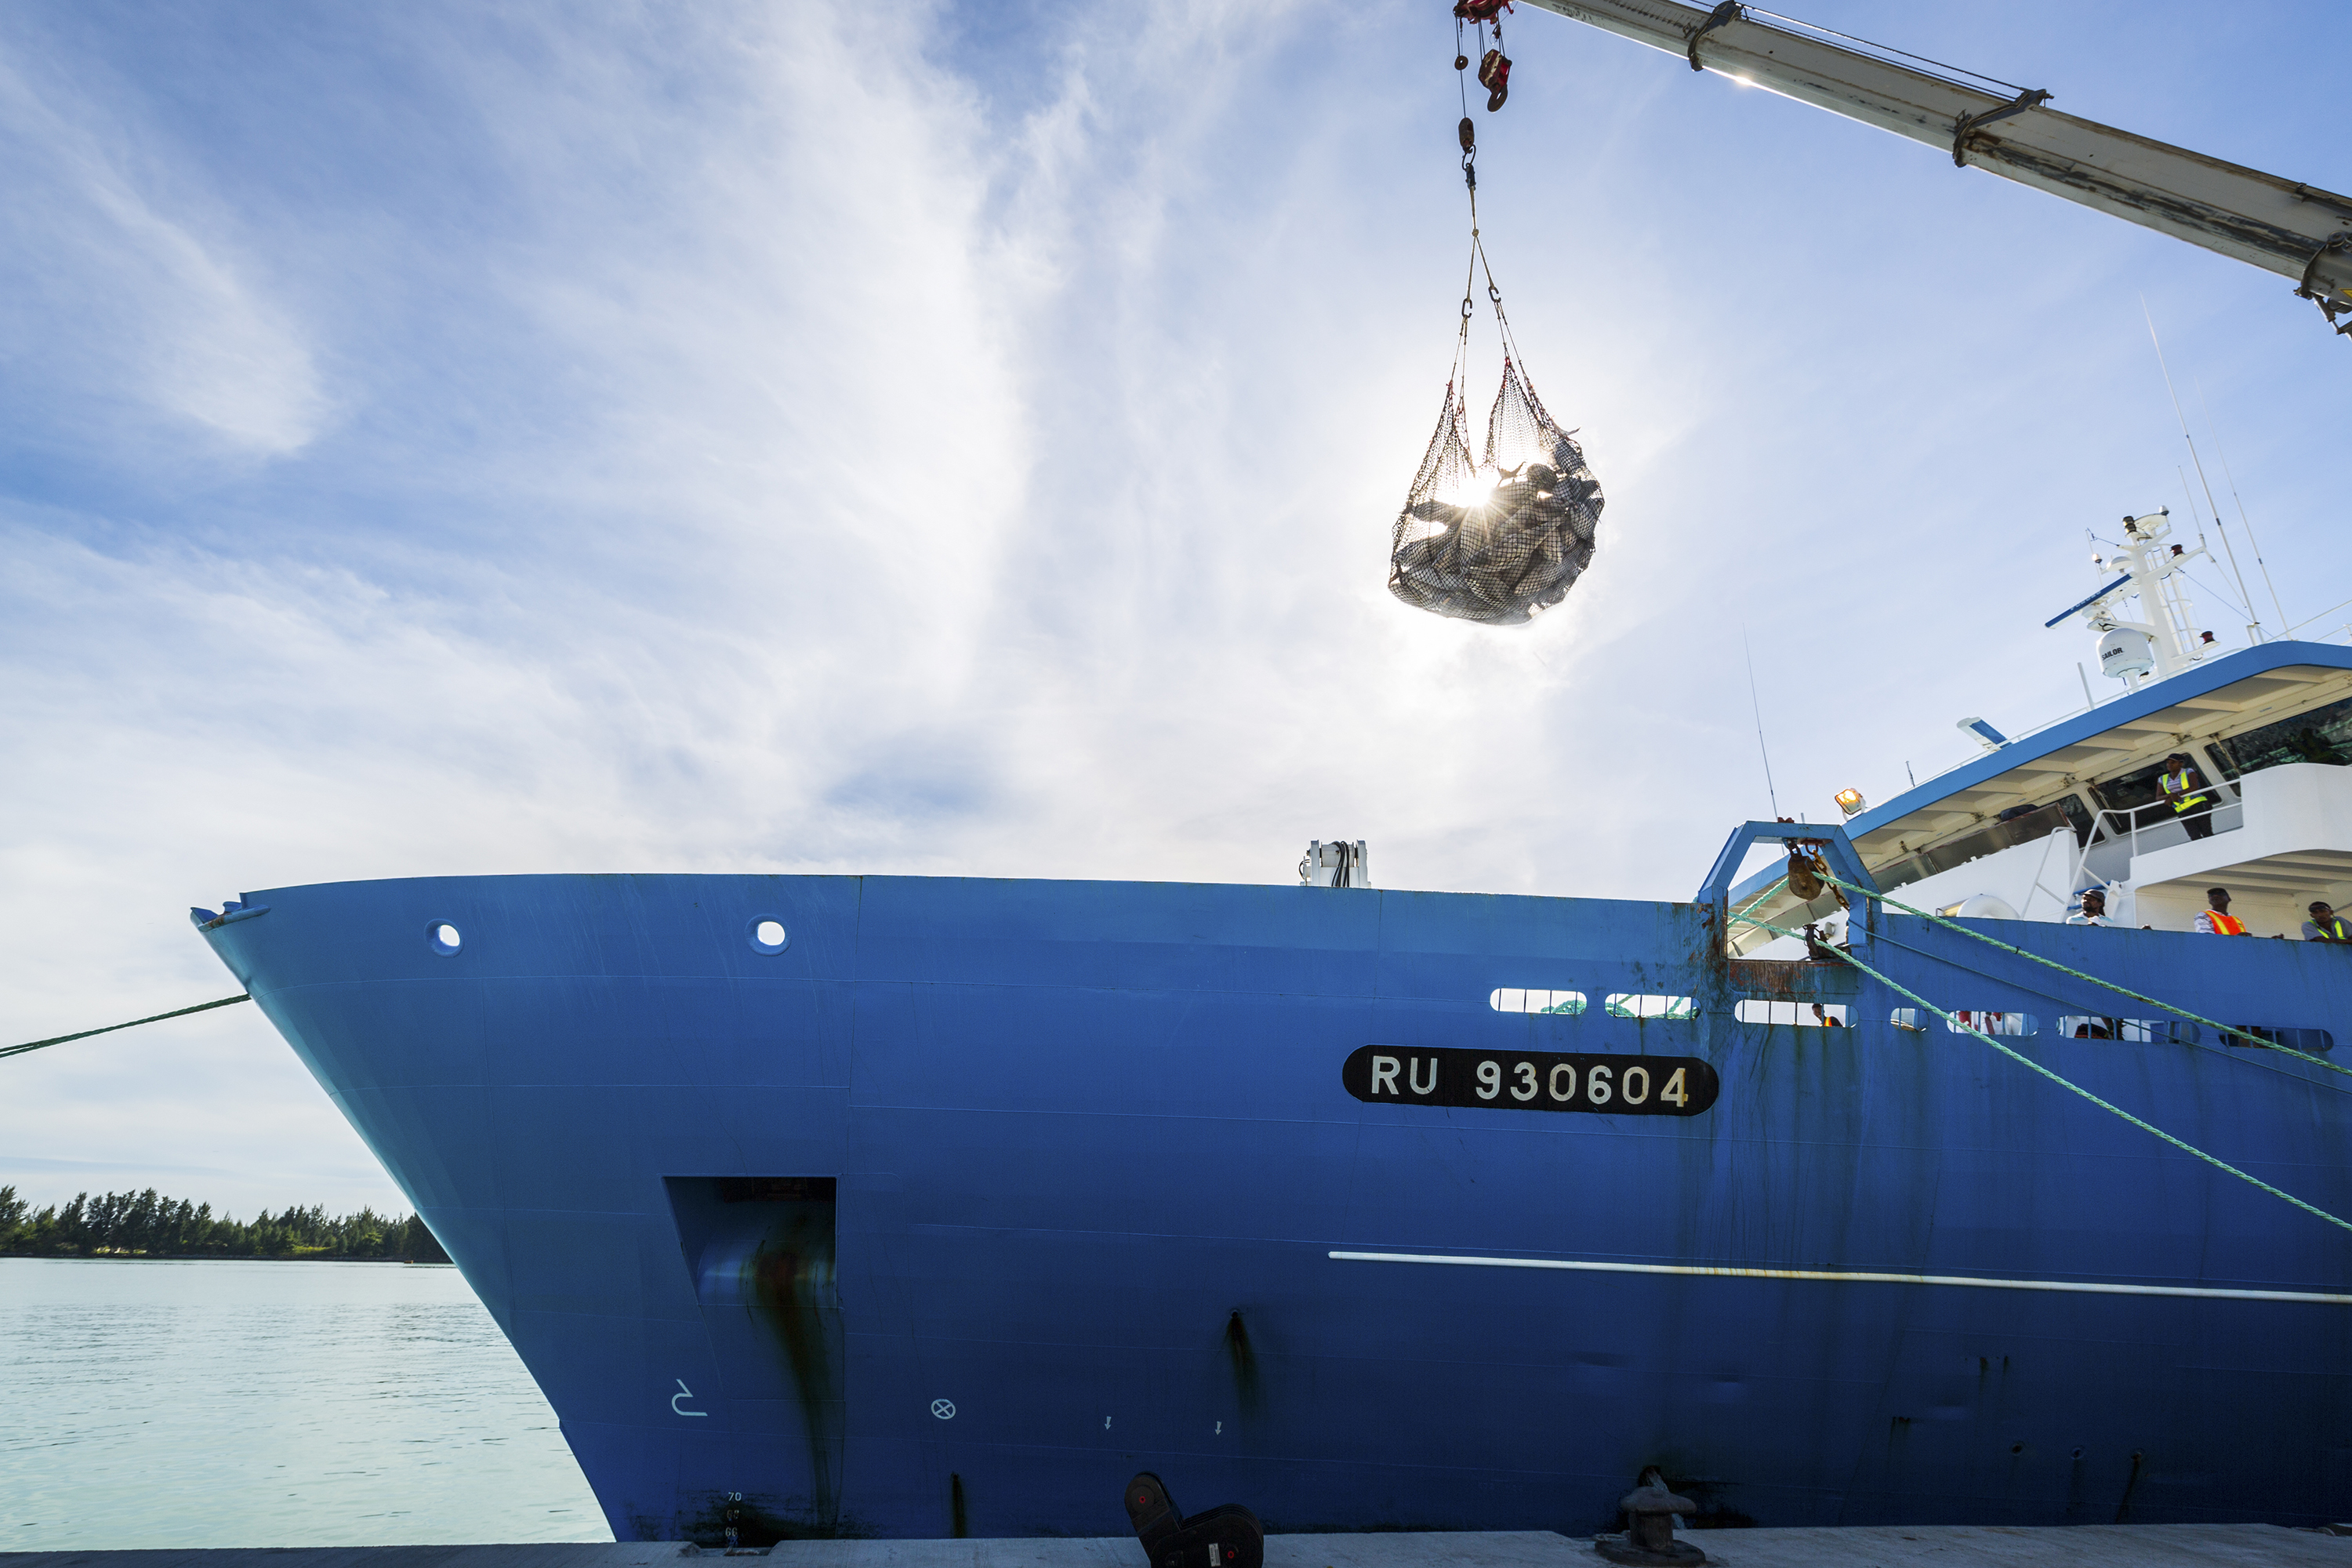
column 1884, row 1546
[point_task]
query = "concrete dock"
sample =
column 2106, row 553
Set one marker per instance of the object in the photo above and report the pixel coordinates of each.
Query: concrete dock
column 1889, row 1546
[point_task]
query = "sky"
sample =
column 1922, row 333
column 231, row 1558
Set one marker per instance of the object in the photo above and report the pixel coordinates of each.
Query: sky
column 963, row 440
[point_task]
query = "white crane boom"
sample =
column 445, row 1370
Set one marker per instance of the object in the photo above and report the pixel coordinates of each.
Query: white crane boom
column 2297, row 231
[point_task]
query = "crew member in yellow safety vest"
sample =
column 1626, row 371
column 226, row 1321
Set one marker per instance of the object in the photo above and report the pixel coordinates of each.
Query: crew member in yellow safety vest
column 2184, row 786
column 2218, row 920
column 2325, row 925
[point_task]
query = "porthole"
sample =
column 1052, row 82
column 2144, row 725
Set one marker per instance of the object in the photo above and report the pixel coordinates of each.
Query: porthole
column 443, row 938
column 767, row 934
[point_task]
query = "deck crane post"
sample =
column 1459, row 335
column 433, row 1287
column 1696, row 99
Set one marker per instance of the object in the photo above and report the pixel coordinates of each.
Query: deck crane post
column 2298, row 231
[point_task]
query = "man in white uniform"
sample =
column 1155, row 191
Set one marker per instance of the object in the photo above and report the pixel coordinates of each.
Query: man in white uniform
column 2094, row 911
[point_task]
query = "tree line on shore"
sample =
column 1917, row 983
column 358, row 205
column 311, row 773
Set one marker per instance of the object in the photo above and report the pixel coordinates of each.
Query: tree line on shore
column 148, row 1224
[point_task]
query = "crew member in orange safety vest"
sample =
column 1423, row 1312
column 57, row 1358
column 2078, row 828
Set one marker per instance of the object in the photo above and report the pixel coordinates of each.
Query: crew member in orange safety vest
column 2218, row 920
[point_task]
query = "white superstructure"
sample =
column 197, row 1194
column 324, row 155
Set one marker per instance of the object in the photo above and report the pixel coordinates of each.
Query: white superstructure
column 2019, row 832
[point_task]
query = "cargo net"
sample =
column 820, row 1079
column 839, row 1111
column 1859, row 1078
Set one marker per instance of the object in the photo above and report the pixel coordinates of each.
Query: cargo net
column 1502, row 540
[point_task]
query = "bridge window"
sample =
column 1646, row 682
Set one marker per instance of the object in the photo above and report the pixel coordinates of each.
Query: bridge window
column 2134, row 789
column 2322, row 735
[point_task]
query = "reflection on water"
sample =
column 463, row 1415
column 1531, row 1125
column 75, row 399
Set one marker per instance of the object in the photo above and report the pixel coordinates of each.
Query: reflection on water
column 236, row 1404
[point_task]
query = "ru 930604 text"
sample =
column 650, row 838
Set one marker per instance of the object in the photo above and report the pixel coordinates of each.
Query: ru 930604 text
column 1531, row 1081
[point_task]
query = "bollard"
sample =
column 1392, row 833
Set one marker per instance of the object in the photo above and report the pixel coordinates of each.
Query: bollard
column 1649, row 1541
column 1227, row 1537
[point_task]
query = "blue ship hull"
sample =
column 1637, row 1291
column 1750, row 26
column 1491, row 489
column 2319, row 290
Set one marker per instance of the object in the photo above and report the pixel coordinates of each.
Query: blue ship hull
column 979, row 1196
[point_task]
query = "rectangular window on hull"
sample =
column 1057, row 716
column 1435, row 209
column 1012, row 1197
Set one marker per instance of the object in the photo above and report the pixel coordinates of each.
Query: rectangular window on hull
column 2311, row 1042
column 1627, row 1004
column 1560, row 1003
column 1993, row 1023
column 1790, row 1015
column 2181, row 1032
column 1916, row 1019
column 2131, row 1031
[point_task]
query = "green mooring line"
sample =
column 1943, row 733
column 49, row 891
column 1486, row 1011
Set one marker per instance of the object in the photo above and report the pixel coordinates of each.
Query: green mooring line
column 2244, row 1056
column 2227, row 1033
column 174, row 1013
column 2185, row 1148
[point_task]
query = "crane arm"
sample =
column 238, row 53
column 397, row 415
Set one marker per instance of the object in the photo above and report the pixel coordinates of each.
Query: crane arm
column 2299, row 232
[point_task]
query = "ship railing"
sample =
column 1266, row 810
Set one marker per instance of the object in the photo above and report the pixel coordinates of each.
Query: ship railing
column 2132, row 826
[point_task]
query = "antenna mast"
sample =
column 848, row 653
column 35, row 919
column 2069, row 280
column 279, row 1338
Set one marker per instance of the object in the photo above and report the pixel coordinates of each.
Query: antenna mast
column 2284, row 629
column 2227, row 547
column 1756, row 703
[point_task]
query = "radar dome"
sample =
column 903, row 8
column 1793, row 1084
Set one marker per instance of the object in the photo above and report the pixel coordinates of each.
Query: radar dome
column 2123, row 651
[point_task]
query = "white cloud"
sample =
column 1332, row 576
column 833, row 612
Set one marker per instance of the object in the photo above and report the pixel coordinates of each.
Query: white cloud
column 119, row 291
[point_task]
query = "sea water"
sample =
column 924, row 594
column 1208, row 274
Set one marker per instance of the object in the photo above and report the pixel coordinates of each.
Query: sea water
column 249, row 1404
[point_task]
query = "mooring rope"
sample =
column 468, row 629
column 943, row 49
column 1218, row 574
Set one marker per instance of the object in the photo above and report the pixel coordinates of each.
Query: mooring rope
column 2228, row 1032
column 175, row 1013
column 1961, row 1027
column 1778, row 882
column 2233, row 1054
